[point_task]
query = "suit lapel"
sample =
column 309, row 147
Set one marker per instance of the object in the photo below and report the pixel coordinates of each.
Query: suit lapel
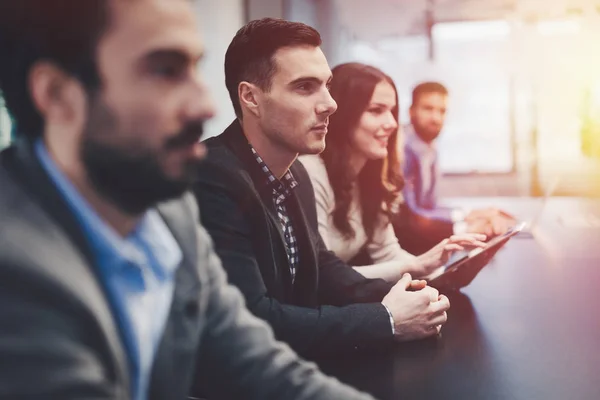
column 276, row 225
column 182, row 329
column 82, row 275
column 237, row 142
column 307, row 272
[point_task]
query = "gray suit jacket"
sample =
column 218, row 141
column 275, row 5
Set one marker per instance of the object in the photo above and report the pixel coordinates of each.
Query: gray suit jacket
column 58, row 335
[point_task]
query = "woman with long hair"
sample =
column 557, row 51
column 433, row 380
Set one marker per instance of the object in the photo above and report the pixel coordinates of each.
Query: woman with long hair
column 358, row 180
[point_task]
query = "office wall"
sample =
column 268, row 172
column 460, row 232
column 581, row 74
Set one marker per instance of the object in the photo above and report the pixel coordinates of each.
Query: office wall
column 304, row 11
column 323, row 15
column 265, row 8
column 219, row 20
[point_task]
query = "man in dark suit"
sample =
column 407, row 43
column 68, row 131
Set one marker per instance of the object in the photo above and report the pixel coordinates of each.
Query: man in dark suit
column 109, row 289
column 259, row 207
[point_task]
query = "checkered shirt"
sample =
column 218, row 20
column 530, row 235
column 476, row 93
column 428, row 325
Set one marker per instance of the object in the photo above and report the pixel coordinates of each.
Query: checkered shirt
column 282, row 190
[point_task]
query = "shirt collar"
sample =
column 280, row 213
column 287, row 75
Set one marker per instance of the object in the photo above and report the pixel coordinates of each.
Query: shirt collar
column 151, row 234
column 415, row 142
column 282, row 188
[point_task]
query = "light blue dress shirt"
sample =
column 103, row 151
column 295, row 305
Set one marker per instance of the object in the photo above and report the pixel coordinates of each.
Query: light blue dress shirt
column 138, row 273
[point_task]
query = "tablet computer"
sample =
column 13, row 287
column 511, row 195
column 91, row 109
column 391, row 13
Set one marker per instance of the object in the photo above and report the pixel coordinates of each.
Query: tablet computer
column 462, row 271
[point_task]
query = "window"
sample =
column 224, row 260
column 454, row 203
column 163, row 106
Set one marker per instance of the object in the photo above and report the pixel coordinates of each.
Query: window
column 472, row 59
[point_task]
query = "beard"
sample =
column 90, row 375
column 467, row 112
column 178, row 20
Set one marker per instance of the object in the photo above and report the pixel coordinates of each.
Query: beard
column 131, row 176
column 426, row 133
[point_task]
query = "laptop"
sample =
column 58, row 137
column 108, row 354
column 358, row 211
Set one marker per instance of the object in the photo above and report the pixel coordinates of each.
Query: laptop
column 528, row 232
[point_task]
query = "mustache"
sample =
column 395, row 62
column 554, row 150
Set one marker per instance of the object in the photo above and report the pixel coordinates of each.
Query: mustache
column 190, row 134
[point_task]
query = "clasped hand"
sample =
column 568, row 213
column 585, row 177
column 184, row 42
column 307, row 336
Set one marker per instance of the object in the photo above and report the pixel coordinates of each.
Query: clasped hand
column 418, row 310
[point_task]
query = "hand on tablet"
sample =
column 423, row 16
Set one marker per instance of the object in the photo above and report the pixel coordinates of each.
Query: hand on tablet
column 441, row 253
column 490, row 222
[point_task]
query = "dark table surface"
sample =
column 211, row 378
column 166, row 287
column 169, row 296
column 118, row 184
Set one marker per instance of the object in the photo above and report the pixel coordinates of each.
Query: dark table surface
column 527, row 327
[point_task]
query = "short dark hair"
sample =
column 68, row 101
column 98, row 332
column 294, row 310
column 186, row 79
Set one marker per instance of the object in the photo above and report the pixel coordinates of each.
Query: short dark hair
column 250, row 54
column 426, row 88
column 64, row 32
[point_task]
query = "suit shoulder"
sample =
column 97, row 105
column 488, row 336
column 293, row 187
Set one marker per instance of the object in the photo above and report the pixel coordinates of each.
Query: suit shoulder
column 9, row 192
column 17, row 208
column 34, row 247
column 222, row 173
column 220, row 160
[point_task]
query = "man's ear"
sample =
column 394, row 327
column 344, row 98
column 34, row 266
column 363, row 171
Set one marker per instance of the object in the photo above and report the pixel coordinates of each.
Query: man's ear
column 248, row 94
column 58, row 97
column 411, row 110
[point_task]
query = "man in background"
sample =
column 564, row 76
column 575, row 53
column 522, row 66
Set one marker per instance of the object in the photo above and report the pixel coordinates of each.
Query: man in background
column 425, row 221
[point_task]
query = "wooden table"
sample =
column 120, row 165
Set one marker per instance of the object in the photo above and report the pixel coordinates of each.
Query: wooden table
column 527, row 327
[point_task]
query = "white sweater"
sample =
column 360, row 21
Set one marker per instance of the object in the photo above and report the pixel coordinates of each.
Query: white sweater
column 383, row 248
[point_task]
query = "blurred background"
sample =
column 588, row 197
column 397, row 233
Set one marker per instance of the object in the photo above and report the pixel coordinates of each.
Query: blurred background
column 523, row 76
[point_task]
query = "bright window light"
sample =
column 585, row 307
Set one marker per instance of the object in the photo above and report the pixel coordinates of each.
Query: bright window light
column 558, row 27
column 482, row 30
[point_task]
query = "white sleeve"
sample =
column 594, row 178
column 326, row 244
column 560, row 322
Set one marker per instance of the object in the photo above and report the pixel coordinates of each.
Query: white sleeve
column 324, row 196
column 385, row 247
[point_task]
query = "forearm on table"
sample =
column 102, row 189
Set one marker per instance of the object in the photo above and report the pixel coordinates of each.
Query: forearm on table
column 390, row 271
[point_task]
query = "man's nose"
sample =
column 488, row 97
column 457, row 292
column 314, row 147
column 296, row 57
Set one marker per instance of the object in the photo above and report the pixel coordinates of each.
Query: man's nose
column 328, row 106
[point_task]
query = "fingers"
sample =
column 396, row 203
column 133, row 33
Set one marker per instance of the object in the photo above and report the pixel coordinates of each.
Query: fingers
column 491, row 221
column 432, row 293
column 487, row 230
column 467, row 243
column 434, row 330
column 439, row 314
column 467, row 238
column 417, row 284
column 462, row 245
column 499, row 227
column 507, row 215
column 405, row 282
column 501, row 224
column 440, row 319
column 444, row 300
column 492, row 212
column 441, row 305
column 453, row 247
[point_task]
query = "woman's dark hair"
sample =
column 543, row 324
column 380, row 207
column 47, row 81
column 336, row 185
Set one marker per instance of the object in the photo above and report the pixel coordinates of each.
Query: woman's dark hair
column 380, row 181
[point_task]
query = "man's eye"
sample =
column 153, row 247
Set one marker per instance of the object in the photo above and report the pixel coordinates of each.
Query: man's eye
column 165, row 71
column 305, row 87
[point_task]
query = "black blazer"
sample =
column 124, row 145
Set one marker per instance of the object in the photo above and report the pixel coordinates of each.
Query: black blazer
column 329, row 307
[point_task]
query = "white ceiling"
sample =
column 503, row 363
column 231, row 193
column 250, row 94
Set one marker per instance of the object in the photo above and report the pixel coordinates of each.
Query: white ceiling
column 373, row 19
